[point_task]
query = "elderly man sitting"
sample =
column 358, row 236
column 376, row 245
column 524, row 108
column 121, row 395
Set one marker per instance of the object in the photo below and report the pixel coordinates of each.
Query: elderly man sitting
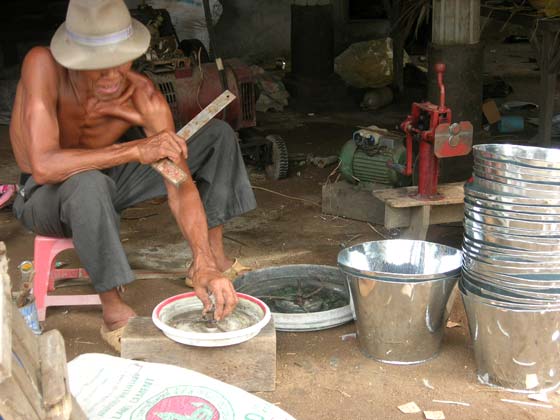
column 74, row 102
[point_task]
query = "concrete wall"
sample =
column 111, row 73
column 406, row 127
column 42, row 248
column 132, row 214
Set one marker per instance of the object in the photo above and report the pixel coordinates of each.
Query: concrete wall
column 259, row 30
column 254, row 29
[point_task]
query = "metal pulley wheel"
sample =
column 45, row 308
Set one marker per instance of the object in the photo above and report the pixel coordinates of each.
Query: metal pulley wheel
column 278, row 168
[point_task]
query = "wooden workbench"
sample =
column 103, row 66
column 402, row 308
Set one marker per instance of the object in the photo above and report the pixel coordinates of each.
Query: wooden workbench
column 403, row 210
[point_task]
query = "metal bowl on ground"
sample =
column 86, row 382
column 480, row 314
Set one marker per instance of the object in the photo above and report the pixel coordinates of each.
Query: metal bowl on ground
column 401, row 292
column 515, row 349
column 301, row 297
column 180, row 318
column 538, row 157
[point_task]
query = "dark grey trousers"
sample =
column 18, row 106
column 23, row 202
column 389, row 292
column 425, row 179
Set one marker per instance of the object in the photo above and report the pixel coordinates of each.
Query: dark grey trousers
column 87, row 206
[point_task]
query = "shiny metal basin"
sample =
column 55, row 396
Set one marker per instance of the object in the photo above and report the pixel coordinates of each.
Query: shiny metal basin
column 399, row 321
column 551, row 205
column 531, row 234
column 486, row 173
column 516, row 350
column 401, row 259
column 511, row 241
column 540, row 227
column 511, row 293
column 515, row 259
column 480, row 265
column 489, row 298
column 513, row 170
column 505, row 260
column 480, row 207
column 536, row 282
column 495, row 186
column 522, row 290
column 538, row 157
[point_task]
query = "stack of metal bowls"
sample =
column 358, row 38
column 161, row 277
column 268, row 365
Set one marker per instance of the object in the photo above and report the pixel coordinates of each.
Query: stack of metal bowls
column 511, row 266
column 401, row 291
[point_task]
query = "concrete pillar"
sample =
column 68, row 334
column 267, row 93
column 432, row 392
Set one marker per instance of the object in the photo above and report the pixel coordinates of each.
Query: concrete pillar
column 456, row 42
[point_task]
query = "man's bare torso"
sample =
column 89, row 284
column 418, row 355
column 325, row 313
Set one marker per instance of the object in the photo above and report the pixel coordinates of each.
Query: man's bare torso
column 81, row 123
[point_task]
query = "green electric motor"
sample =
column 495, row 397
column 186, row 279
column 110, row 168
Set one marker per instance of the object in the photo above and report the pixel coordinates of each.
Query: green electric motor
column 369, row 164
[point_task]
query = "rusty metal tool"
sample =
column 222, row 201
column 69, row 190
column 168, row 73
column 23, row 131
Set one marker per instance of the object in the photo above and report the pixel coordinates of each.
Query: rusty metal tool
column 166, row 167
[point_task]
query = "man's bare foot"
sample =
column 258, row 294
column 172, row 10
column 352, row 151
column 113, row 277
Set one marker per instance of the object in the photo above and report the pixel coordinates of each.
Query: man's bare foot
column 116, row 312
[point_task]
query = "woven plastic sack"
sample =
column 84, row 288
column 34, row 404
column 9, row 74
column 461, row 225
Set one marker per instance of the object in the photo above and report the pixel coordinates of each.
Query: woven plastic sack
column 367, row 64
column 108, row 387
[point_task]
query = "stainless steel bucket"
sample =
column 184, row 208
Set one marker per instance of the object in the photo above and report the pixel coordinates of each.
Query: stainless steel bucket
column 514, row 349
column 401, row 290
column 511, row 266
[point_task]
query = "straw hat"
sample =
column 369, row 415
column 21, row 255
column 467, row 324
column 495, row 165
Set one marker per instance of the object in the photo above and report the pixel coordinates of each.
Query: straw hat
column 98, row 34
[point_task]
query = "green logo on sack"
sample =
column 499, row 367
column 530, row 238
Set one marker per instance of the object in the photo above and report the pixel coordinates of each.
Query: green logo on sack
column 185, row 403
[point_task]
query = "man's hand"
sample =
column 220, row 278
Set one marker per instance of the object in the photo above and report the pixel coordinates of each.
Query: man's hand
column 164, row 144
column 210, row 281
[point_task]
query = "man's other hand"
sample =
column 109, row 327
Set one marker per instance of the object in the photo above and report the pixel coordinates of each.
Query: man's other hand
column 164, row 144
column 213, row 282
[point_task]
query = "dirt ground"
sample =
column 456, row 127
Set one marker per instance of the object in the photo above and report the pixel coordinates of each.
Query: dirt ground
column 334, row 379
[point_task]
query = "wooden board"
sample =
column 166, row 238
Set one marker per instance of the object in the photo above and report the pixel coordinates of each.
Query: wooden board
column 5, row 317
column 250, row 365
column 54, row 375
column 353, row 202
column 398, row 217
column 404, row 197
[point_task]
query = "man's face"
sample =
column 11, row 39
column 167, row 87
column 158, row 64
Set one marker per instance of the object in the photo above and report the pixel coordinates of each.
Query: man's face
column 109, row 83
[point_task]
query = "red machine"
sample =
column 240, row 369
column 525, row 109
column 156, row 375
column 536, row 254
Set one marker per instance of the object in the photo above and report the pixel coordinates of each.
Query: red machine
column 181, row 70
column 430, row 125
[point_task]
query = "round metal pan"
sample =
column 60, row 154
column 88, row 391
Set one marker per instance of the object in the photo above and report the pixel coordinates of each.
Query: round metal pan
column 509, row 241
column 478, row 207
column 534, row 282
column 510, row 295
column 540, row 228
column 514, row 255
column 551, row 205
column 526, row 172
column 482, row 295
column 502, row 266
column 546, row 187
column 544, row 197
column 538, row 157
column 524, row 290
column 534, row 235
column 503, row 301
column 486, row 268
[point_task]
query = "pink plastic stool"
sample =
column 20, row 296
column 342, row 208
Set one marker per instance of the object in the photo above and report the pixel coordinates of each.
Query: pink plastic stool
column 46, row 250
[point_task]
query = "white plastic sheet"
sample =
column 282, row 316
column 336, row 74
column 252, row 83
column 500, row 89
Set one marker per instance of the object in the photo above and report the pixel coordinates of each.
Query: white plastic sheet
column 108, row 387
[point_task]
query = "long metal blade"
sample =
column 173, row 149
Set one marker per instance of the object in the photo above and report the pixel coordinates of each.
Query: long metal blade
column 168, row 169
column 206, row 115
